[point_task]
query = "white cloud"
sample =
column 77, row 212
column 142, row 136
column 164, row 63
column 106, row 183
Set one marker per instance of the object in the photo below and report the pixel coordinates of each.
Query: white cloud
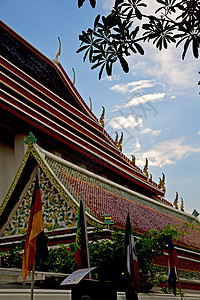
column 131, row 121
column 141, row 100
column 111, row 78
column 199, row 132
column 132, row 86
column 149, row 130
column 166, row 66
column 125, row 122
column 167, row 153
column 108, row 4
column 136, row 146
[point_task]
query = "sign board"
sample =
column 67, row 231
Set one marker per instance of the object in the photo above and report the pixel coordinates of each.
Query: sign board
column 77, row 276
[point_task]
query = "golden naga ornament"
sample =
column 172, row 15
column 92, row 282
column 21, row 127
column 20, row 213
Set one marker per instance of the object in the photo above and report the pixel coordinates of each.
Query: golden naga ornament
column 101, row 121
column 182, row 205
column 145, row 170
column 162, row 183
column 120, row 142
column 116, row 138
column 56, row 60
column 176, row 201
column 74, row 76
column 133, row 159
column 90, row 103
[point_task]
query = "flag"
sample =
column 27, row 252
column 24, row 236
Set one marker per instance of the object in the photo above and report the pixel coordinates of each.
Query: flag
column 35, row 245
column 172, row 262
column 131, row 257
column 81, row 245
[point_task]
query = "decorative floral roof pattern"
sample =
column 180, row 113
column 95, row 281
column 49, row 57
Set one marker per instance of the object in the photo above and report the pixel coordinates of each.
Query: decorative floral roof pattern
column 101, row 201
column 57, row 213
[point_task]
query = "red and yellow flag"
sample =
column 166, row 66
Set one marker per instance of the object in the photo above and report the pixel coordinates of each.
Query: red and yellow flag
column 35, row 233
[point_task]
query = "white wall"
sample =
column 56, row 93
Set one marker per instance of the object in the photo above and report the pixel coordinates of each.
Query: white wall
column 7, row 168
column 12, row 149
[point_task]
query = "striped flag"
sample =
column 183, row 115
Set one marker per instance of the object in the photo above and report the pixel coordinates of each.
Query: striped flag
column 172, row 262
column 131, row 257
column 81, row 243
column 35, row 245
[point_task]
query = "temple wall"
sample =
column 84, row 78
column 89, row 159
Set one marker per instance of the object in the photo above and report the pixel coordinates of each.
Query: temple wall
column 7, row 168
column 12, row 149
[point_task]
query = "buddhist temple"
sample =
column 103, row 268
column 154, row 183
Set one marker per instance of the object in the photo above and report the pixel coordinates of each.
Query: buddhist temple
column 47, row 126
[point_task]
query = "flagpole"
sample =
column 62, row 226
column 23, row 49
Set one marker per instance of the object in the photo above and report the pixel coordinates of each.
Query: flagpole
column 32, row 279
column 86, row 235
column 179, row 285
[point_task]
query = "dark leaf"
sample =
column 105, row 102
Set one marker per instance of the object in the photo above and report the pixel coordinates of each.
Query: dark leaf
column 118, row 2
column 108, row 68
column 139, row 48
column 124, row 64
column 96, row 65
column 146, row 26
column 101, row 71
column 195, row 47
column 165, row 43
column 96, row 21
column 90, row 54
column 86, row 53
column 81, row 49
column 159, row 44
column 133, row 49
column 129, row 14
column 93, row 3
column 134, row 32
column 186, row 45
column 80, row 3
column 138, row 13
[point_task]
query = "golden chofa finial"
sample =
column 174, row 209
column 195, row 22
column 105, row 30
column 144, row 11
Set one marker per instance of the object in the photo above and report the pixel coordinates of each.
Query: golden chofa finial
column 176, row 201
column 74, row 76
column 101, row 121
column 90, row 103
column 59, row 52
column 133, row 159
column 116, row 138
column 150, row 177
column 182, row 205
column 120, row 142
column 145, row 170
column 162, row 183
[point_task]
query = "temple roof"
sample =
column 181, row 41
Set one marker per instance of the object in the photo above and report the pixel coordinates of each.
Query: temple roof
column 38, row 96
column 101, row 197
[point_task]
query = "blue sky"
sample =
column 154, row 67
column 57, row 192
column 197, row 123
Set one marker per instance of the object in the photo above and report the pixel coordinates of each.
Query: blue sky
column 156, row 105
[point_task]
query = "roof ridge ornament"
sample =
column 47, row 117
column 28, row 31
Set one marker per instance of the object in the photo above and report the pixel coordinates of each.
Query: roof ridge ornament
column 145, row 170
column 101, row 121
column 182, row 204
column 120, row 142
column 176, row 201
column 133, row 159
column 56, row 60
column 162, row 183
column 31, row 139
column 74, row 76
column 90, row 103
column 116, row 138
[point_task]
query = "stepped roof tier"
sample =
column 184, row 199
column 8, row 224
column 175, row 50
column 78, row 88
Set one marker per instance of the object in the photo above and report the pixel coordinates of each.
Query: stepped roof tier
column 37, row 93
